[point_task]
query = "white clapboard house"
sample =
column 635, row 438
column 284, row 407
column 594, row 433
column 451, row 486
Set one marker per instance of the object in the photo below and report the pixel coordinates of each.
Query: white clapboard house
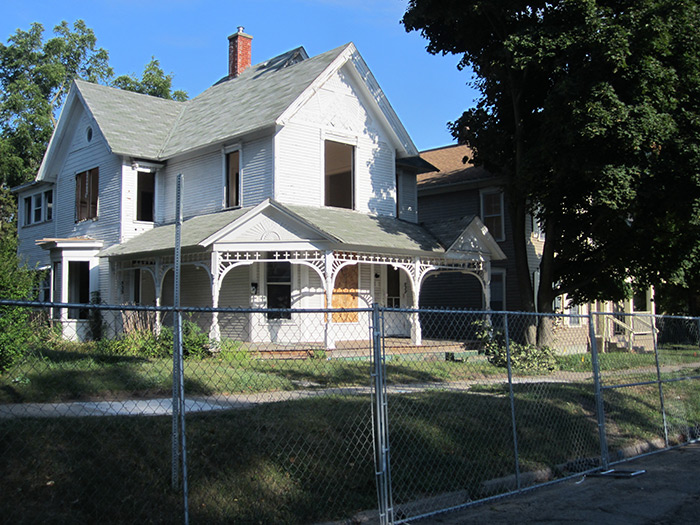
column 299, row 192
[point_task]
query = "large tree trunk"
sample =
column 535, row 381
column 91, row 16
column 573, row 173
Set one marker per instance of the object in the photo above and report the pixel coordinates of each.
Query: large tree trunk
column 545, row 292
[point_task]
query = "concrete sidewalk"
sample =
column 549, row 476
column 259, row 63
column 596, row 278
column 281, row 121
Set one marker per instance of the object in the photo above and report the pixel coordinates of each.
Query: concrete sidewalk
column 667, row 493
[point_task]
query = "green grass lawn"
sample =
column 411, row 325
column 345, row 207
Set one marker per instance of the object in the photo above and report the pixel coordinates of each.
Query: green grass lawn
column 309, row 460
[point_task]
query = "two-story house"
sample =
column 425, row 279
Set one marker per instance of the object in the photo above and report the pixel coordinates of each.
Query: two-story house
column 299, row 192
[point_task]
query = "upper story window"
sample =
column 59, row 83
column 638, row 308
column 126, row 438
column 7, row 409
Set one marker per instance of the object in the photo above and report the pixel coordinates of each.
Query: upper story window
column 38, row 207
column 232, row 182
column 145, row 196
column 492, row 213
column 338, row 180
column 86, row 193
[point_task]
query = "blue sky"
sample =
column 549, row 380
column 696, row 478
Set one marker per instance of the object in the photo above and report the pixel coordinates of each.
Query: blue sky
column 189, row 37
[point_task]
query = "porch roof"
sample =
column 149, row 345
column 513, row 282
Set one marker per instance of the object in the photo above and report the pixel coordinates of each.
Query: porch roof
column 340, row 229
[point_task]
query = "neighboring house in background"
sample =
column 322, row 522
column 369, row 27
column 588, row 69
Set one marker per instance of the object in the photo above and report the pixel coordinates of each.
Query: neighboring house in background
column 299, row 192
column 460, row 191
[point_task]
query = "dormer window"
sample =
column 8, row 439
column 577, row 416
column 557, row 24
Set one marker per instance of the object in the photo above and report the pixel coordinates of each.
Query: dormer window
column 338, row 180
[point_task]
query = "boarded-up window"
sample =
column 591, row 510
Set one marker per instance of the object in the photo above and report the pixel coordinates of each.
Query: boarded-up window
column 86, row 193
column 345, row 294
column 338, row 175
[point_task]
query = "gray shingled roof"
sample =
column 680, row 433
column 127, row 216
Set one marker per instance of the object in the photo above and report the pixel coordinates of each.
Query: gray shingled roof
column 350, row 228
column 448, row 231
column 157, row 129
column 162, row 238
column 133, row 124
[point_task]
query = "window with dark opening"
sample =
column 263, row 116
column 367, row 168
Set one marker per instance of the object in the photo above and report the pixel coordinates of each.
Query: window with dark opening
column 338, row 175
column 78, row 287
column 232, row 180
column 145, row 196
column 393, row 289
column 86, row 192
column 279, row 289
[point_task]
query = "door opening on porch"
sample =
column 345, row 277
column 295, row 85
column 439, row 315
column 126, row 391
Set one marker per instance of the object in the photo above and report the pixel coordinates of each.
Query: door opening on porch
column 279, row 288
column 78, row 287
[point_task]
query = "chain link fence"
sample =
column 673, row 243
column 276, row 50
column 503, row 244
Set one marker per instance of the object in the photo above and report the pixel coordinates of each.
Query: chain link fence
column 315, row 416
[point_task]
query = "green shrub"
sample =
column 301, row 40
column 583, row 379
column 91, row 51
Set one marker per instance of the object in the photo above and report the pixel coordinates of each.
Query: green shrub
column 524, row 357
column 232, row 352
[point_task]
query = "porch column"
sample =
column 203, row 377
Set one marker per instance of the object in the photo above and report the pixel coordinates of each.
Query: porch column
column 329, row 337
column 416, row 331
column 487, row 285
column 214, row 331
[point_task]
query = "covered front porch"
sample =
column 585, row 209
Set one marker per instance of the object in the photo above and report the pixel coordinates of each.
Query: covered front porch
column 279, row 261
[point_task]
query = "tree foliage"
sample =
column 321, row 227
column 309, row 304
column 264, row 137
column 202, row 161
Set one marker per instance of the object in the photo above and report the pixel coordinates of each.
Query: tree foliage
column 153, row 82
column 35, row 77
column 590, row 108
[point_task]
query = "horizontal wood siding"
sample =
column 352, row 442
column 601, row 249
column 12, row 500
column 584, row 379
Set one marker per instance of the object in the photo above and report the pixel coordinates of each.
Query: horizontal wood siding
column 235, row 293
column 299, row 169
column 335, row 112
column 83, row 156
column 203, row 185
column 130, row 226
column 256, row 171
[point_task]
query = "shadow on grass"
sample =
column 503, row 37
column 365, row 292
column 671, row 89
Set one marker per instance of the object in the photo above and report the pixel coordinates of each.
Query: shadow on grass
column 298, row 461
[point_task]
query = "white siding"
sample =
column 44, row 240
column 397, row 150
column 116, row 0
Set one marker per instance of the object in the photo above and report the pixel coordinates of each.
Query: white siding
column 256, row 171
column 203, row 185
column 336, row 112
column 130, row 226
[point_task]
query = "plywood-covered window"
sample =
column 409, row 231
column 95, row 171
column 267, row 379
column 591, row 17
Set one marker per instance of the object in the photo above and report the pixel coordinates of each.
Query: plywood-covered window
column 338, row 181
column 346, row 294
column 145, row 196
column 86, row 193
column 233, row 180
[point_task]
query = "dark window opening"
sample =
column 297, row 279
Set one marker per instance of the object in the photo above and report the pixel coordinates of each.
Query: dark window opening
column 498, row 292
column 27, row 210
column 48, row 199
column 78, row 287
column 86, row 193
column 338, row 175
column 145, row 196
column 232, row 180
column 393, row 289
column 279, row 289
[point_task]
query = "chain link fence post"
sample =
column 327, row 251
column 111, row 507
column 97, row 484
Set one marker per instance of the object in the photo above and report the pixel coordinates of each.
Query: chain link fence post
column 381, row 422
column 512, row 402
column 599, row 403
column 658, row 379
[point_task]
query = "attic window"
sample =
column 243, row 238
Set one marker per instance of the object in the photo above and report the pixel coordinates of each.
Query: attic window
column 338, row 175
column 89, row 134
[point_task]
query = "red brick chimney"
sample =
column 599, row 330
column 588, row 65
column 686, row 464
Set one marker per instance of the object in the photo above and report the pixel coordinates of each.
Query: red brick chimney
column 239, row 45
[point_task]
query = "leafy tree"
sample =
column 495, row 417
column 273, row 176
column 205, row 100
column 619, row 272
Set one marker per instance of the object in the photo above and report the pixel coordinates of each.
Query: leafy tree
column 19, row 283
column 153, row 82
column 590, row 108
column 35, row 77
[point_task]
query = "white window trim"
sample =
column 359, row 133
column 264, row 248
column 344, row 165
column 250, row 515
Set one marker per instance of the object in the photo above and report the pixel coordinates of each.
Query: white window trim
column 225, row 150
column 24, row 213
column 498, row 236
column 340, row 138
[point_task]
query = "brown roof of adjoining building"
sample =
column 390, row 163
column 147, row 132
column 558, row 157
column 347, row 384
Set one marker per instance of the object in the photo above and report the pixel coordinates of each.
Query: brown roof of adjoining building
column 450, row 161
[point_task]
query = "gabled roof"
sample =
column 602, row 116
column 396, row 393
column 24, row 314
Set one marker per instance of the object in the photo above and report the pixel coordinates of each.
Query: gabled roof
column 336, row 227
column 449, row 160
column 261, row 97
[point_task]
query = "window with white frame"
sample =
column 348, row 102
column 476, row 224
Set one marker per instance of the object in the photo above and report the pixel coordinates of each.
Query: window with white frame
column 38, row 208
column 498, row 290
column 338, row 181
column 86, row 194
column 279, row 288
column 232, row 180
column 145, row 196
column 492, row 212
